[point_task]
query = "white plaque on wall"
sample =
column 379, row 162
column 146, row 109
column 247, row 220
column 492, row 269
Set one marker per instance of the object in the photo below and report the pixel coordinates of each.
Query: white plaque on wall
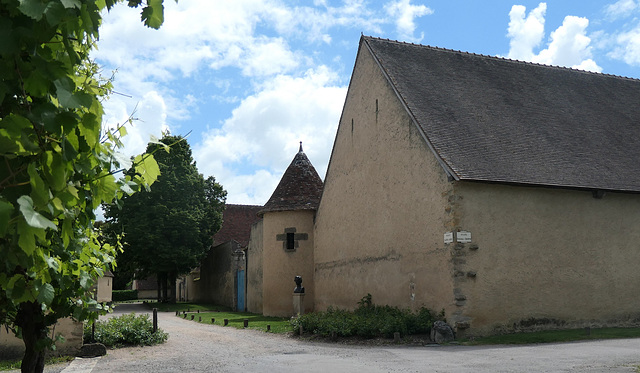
column 448, row 237
column 463, row 237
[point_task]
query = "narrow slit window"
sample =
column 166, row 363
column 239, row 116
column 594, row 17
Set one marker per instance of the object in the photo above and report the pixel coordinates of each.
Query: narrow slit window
column 291, row 243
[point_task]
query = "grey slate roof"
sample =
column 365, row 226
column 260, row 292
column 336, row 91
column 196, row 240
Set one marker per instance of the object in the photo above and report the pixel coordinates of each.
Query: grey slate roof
column 498, row 120
column 299, row 189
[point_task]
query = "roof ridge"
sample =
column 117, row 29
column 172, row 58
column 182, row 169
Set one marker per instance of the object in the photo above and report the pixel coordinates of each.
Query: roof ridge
column 241, row 205
column 500, row 58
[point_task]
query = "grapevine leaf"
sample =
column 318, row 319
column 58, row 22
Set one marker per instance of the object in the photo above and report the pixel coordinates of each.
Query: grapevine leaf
column 71, row 3
column 45, row 293
column 32, row 217
column 6, row 209
column 153, row 14
column 32, row 8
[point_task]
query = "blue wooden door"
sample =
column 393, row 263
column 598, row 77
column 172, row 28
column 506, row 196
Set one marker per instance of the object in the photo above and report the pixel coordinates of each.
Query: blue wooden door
column 241, row 290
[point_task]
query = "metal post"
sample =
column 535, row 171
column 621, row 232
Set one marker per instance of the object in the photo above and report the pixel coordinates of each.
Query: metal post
column 155, row 320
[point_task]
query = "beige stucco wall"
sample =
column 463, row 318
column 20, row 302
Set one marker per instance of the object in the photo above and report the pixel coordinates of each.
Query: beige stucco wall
column 254, row 269
column 104, row 289
column 383, row 213
column 13, row 348
column 281, row 266
column 217, row 276
column 558, row 256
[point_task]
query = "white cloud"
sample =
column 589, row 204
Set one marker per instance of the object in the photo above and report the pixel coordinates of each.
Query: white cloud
column 245, row 56
column 621, row 8
column 628, row 47
column 265, row 129
column 568, row 46
column 526, row 33
column 404, row 14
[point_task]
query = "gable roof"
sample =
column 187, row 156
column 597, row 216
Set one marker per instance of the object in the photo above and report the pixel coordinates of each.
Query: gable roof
column 236, row 224
column 299, row 189
column 497, row 120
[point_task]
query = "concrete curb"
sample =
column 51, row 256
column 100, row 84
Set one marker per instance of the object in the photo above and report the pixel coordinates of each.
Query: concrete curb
column 81, row 365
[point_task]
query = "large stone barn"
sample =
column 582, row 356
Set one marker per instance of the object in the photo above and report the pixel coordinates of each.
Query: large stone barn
column 502, row 192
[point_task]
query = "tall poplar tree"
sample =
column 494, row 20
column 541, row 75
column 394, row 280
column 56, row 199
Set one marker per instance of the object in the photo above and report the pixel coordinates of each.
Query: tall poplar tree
column 168, row 230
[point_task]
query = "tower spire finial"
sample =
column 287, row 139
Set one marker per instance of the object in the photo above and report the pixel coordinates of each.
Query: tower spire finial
column 300, row 151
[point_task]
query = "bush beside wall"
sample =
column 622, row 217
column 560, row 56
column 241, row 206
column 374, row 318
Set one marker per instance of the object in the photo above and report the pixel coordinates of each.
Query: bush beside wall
column 124, row 295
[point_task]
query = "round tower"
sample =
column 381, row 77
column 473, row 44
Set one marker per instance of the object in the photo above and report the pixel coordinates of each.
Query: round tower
column 288, row 224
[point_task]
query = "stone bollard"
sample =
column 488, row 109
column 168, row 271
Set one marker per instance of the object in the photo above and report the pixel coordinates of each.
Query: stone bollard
column 396, row 337
column 246, row 323
column 226, row 322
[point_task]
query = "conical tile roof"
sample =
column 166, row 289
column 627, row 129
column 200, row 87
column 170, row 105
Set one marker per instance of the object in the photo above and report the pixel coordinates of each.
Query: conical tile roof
column 299, row 189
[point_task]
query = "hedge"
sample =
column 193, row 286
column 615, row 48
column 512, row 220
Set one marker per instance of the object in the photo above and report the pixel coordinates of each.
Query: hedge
column 122, row 295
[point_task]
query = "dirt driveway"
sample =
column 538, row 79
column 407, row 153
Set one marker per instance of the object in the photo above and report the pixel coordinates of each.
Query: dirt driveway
column 194, row 347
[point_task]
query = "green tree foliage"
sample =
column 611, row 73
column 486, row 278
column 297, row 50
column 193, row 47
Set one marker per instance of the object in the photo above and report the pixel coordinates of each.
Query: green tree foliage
column 56, row 164
column 168, row 229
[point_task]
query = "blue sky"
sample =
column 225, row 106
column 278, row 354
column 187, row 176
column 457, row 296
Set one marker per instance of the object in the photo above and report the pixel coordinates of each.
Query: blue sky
column 249, row 79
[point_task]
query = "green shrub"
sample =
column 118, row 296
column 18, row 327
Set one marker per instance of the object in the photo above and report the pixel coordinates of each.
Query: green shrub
column 125, row 330
column 123, row 295
column 367, row 320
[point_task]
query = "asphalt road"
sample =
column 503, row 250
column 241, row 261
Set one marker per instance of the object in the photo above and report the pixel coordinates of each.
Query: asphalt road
column 194, row 347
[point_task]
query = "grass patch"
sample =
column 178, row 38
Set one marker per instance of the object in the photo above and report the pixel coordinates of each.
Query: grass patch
column 185, row 306
column 236, row 320
column 15, row 364
column 555, row 336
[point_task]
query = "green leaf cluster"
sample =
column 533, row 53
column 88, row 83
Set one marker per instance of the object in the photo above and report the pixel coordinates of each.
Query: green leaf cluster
column 57, row 164
column 168, row 229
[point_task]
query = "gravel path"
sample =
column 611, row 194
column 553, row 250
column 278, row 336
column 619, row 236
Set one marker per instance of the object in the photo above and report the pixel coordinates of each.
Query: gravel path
column 194, row 347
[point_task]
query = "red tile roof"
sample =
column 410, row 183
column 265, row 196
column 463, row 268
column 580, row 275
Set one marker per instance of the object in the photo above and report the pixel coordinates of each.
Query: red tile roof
column 236, row 224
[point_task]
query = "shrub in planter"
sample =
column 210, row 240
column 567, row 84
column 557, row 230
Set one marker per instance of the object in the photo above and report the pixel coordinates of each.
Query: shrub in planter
column 125, row 330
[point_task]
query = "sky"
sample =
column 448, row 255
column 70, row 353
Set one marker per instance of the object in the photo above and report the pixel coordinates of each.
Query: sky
column 247, row 80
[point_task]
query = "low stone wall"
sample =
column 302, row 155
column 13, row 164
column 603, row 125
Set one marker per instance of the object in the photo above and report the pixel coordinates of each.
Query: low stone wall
column 13, row 348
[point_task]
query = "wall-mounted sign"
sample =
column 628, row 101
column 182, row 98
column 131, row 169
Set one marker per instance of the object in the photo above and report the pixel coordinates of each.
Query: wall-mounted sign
column 463, row 237
column 448, row 237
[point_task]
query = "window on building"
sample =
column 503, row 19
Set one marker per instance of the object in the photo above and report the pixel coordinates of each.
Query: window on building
column 291, row 243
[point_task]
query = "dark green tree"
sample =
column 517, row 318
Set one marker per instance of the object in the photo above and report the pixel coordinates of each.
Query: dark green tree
column 168, row 229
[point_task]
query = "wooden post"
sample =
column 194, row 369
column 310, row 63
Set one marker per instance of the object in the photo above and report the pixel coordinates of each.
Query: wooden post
column 268, row 327
column 192, row 316
column 199, row 318
column 213, row 320
column 155, row 320
column 226, row 322
column 246, row 323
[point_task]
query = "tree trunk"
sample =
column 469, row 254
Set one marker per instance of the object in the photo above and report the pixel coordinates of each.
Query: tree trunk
column 34, row 331
column 159, row 298
column 172, row 287
column 165, row 296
